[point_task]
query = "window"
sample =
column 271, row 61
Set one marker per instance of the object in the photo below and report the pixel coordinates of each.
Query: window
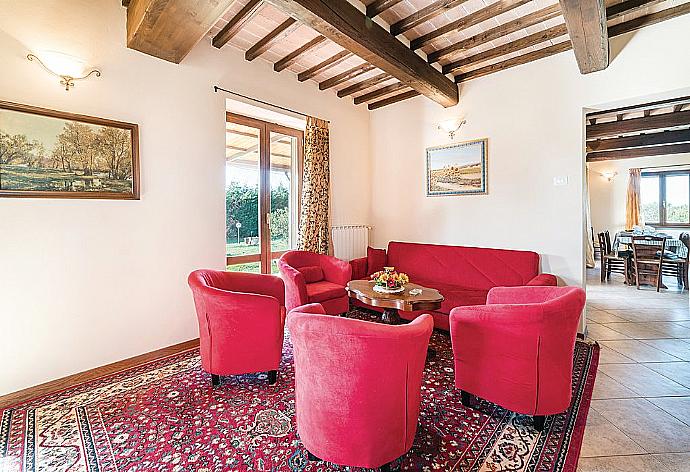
column 666, row 198
column 263, row 170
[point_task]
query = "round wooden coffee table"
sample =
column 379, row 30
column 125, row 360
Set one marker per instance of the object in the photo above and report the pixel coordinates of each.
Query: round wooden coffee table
column 363, row 290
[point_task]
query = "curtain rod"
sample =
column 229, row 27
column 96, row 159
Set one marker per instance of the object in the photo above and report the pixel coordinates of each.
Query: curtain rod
column 216, row 89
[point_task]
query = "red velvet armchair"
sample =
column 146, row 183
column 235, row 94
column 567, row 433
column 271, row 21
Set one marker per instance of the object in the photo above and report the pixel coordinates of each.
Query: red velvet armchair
column 315, row 278
column 241, row 322
column 357, row 386
column 517, row 350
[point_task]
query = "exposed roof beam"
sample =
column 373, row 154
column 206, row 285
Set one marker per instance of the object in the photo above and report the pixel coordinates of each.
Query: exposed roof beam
column 615, row 128
column 652, row 139
column 291, row 58
column 379, row 6
column 515, row 61
column 363, row 85
column 325, row 65
column 236, row 23
column 394, row 99
column 345, row 76
column 513, row 46
column 639, row 152
column 282, row 30
column 169, row 29
column 367, row 97
column 628, row 6
column 648, row 20
column 672, row 102
column 498, row 32
column 677, row 108
column 588, row 31
column 344, row 24
column 437, row 8
column 466, row 21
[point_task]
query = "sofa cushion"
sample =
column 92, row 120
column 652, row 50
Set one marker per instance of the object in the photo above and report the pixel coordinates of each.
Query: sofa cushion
column 376, row 260
column 468, row 267
column 324, row 290
column 456, row 296
column 311, row 273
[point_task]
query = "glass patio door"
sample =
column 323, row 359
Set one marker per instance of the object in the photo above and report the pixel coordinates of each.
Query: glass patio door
column 263, row 165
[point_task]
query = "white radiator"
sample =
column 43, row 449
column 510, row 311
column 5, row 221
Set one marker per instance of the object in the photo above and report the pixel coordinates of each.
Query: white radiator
column 350, row 241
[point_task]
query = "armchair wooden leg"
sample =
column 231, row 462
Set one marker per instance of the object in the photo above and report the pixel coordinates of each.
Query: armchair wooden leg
column 539, row 423
column 272, row 377
column 466, row 398
column 215, row 380
column 312, row 457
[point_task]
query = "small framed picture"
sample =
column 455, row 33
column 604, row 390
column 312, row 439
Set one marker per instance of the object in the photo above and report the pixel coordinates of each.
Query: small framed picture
column 54, row 154
column 457, row 169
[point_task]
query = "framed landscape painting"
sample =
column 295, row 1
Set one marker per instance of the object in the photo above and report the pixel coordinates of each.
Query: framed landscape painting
column 457, row 169
column 46, row 153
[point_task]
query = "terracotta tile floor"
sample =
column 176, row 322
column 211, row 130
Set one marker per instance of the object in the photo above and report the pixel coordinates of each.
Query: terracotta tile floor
column 640, row 414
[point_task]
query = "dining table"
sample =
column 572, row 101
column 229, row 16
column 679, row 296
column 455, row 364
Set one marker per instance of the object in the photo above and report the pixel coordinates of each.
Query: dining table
column 673, row 244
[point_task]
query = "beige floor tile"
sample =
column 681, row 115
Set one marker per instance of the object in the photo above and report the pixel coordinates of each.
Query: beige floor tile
column 677, row 371
column 638, row 351
column 676, row 347
column 644, row 381
column 651, row 315
column 605, row 387
column 640, row 463
column 603, row 439
column 675, row 406
column 679, row 462
column 646, row 424
column 599, row 332
column 672, row 329
column 637, row 330
column 601, row 316
column 609, row 356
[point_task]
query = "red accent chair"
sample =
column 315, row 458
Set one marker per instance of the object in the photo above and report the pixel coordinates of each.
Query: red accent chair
column 517, row 350
column 357, row 386
column 315, row 278
column 241, row 322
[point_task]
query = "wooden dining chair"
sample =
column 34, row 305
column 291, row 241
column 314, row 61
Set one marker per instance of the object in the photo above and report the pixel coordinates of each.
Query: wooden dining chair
column 678, row 266
column 610, row 261
column 647, row 259
column 595, row 244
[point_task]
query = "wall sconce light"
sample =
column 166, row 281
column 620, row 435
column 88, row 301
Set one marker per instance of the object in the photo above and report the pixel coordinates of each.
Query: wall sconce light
column 451, row 126
column 609, row 175
column 67, row 68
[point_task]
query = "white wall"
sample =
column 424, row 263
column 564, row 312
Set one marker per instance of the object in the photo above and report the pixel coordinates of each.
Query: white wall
column 533, row 117
column 84, row 283
column 608, row 198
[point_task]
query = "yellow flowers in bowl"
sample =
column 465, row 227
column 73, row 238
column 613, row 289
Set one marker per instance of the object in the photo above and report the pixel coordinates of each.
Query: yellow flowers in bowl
column 390, row 281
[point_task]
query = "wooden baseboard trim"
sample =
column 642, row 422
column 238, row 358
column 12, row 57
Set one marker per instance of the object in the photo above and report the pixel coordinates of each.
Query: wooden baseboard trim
column 21, row 396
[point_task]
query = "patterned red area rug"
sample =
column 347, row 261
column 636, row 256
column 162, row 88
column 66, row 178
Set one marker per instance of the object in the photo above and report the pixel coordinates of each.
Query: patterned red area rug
column 164, row 416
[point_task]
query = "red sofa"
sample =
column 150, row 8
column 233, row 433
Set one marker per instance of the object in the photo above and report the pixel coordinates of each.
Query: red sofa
column 463, row 275
column 357, row 386
column 241, row 322
column 517, row 350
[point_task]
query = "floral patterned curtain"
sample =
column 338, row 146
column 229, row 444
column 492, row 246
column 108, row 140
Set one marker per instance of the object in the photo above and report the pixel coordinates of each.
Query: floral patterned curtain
column 314, row 229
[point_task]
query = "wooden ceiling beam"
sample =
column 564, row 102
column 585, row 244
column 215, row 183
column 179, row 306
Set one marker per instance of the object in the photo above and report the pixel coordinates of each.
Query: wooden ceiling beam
column 236, row 23
column 634, row 125
column 648, row 20
column 394, row 99
column 344, row 24
column 363, row 85
column 515, row 61
column 486, row 13
column 169, row 29
column 367, row 97
column 345, row 76
column 626, row 7
column 437, row 8
column 656, row 105
column 291, row 58
column 651, row 139
column 588, row 31
column 280, row 32
column 324, row 65
column 379, row 6
column 513, row 46
column 639, row 152
column 497, row 32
